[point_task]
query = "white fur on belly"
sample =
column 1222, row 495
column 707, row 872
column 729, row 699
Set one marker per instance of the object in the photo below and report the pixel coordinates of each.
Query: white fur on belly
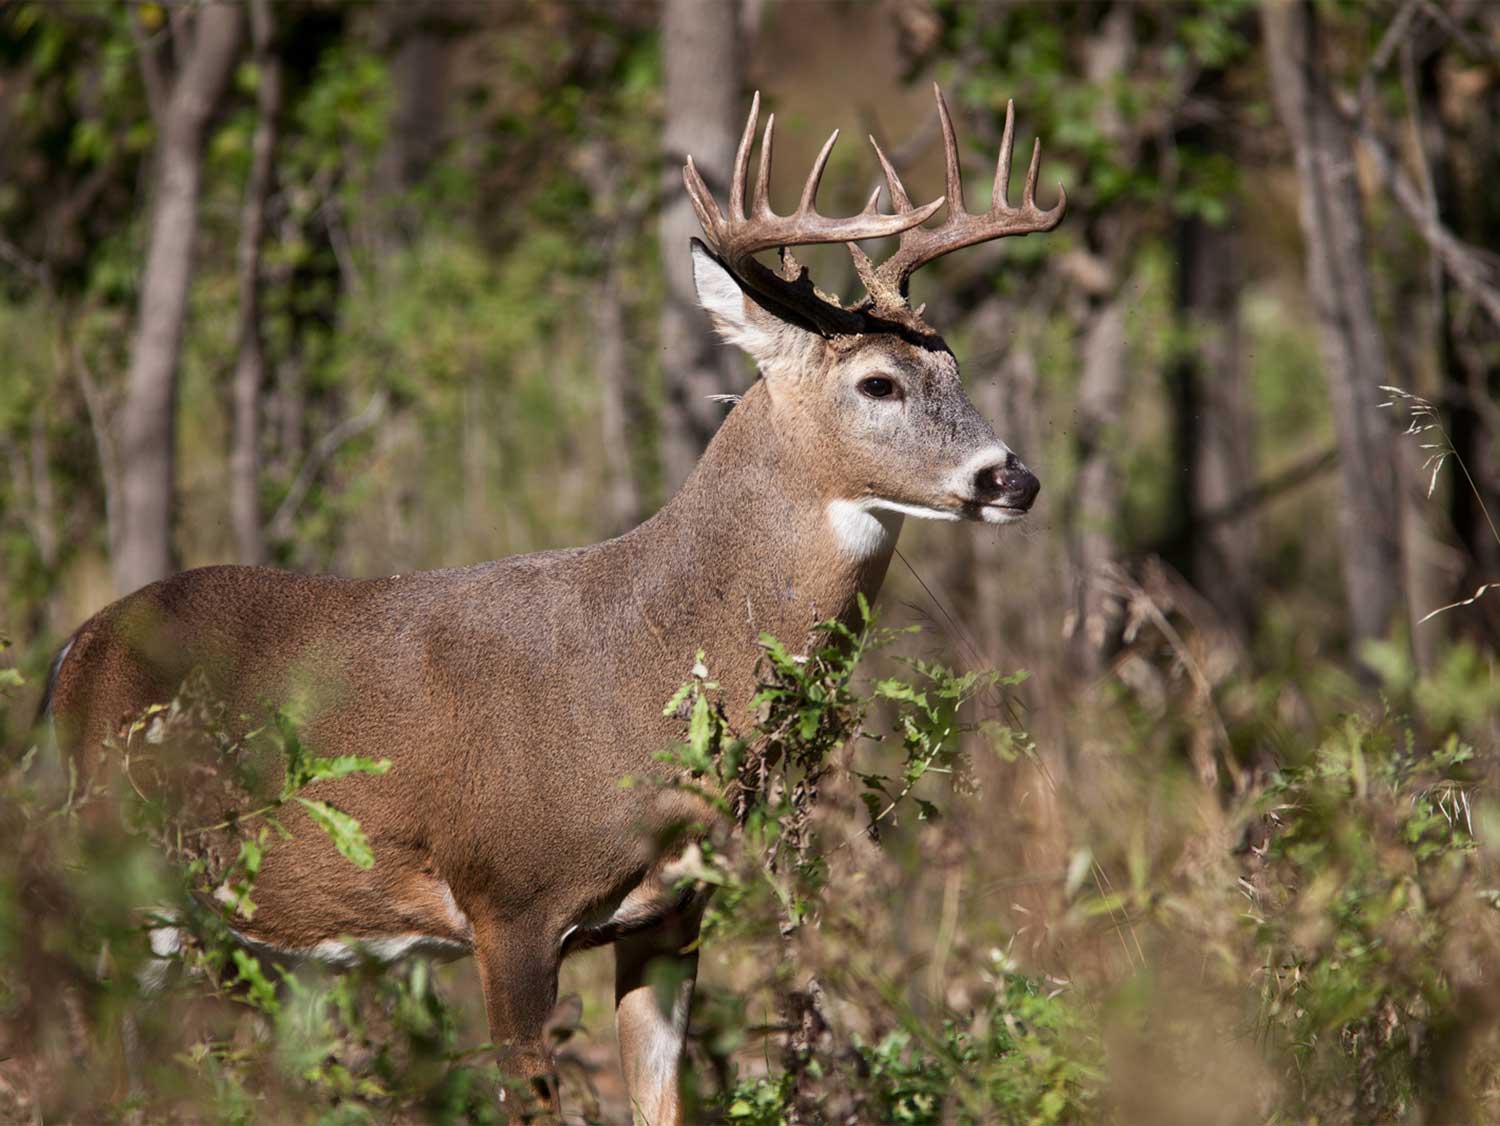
column 345, row 952
column 350, row 952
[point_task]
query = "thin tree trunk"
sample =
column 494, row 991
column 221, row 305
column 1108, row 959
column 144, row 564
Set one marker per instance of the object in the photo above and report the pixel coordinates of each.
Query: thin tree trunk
column 288, row 405
column 599, row 165
column 147, row 424
column 250, row 367
column 1214, row 423
column 419, row 90
column 1427, row 335
column 613, row 369
column 1099, row 488
column 700, row 50
column 43, row 496
column 104, row 446
column 1471, row 375
column 1338, row 283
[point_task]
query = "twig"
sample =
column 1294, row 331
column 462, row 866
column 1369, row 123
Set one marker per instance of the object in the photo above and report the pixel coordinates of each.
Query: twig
column 1119, row 583
column 343, row 249
column 1395, row 35
column 152, row 78
column 280, row 525
column 1298, row 473
column 1470, row 267
column 27, row 265
column 1471, row 44
column 93, row 401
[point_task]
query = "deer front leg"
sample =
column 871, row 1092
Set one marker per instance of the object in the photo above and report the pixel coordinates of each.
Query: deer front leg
column 518, row 973
column 653, row 992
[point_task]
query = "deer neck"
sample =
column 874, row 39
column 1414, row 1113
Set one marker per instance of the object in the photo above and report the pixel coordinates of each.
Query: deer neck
column 758, row 540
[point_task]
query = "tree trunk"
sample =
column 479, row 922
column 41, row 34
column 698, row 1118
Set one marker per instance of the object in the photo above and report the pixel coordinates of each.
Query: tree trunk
column 421, row 42
column 287, row 409
column 1099, row 488
column 148, row 423
column 599, row 165
column 700, row 49
column 250, row 367
column 1214, row 424
column 1471, row 374
column 613, row 370
column 1338, row 283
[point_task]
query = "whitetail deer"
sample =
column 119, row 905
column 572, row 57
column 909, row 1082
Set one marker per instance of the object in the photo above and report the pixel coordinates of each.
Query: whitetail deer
column 513, row 696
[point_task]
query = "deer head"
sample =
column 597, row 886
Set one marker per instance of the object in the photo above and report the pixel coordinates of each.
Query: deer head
column 868, row 392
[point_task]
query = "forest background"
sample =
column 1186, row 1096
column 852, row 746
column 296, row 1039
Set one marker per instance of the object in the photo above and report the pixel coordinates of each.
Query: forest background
column 366, row 288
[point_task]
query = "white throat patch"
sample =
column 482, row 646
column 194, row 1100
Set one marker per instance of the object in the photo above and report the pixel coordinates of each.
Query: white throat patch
column 864, row 529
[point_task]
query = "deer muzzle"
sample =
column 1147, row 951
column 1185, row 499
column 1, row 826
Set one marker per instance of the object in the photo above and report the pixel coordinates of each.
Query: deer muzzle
column 1005, row 490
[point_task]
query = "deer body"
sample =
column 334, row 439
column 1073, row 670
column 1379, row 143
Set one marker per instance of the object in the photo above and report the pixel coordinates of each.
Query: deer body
column 512, row 697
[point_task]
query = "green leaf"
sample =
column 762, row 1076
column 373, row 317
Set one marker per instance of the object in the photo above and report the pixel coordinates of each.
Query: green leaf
column 317, row 769
column 343, row 830
column 699, row 727
column 259, row 990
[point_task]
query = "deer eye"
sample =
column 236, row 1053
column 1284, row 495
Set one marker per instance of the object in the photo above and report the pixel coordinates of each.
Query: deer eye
column 877, row 387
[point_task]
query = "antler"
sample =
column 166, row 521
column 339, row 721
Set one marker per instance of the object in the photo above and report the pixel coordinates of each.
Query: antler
column 736, row 238
column 887, row 283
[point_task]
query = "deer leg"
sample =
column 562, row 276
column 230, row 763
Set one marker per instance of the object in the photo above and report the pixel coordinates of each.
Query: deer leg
column 654, row 975
column 518, row 973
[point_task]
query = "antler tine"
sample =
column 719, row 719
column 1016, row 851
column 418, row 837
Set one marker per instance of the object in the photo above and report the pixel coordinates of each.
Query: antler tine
column 899, row 199
column 761, row 207
column 1000, row 193
column 742, row 161
column 710, row 218
column 1028, row 193
column 953, row 177
column 815, row 177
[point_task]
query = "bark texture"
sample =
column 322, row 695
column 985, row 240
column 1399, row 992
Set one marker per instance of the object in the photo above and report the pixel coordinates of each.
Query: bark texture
column 1214, row 423
column 420, row 40
column 147, row 424
column 702, row 60
column 1466, row 199
column 1100, row 486
column 250, row 363
column 1338, row 284
column 1094, row 508
column 599, row 164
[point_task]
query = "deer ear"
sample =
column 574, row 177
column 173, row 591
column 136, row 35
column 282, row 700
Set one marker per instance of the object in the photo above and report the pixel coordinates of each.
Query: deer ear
column 770, row 341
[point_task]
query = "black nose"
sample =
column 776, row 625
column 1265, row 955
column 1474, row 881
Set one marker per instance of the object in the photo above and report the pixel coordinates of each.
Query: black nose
column 1009, row 483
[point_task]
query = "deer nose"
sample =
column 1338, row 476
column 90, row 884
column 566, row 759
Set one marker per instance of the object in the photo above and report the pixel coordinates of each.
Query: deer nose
column 1008, row 483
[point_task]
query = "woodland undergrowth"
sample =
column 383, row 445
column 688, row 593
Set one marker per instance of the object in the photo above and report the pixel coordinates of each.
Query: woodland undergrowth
column 1318, row 941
